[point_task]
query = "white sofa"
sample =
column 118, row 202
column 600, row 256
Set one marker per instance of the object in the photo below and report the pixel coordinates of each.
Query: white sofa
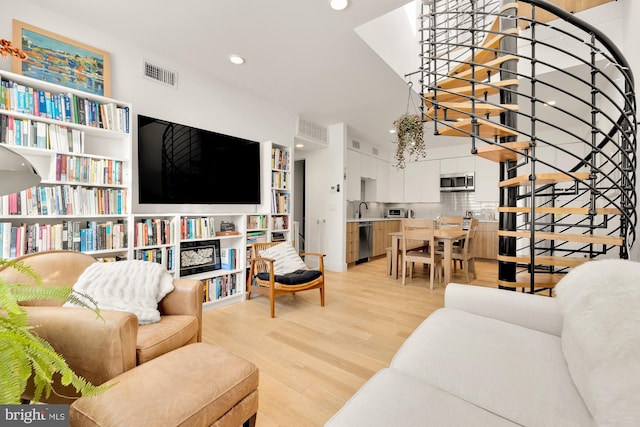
column 493, row 357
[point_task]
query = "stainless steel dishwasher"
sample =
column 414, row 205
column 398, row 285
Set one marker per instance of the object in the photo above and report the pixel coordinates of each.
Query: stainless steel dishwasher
column 365, row 241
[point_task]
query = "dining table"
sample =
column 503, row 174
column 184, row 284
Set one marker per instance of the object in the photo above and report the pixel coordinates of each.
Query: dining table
column 446, row 235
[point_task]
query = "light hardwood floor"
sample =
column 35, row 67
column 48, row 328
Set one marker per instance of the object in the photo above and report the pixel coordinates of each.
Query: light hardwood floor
column 311, row 358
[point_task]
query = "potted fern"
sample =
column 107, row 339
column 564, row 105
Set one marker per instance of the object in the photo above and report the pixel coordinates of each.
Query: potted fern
column 23, row 354
column 409, row 133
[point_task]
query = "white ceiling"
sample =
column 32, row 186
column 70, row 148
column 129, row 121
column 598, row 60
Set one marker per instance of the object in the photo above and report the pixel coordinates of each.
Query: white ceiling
column 300, row 54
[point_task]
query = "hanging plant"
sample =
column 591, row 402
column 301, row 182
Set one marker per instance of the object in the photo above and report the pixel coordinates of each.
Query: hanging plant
column 409, row 138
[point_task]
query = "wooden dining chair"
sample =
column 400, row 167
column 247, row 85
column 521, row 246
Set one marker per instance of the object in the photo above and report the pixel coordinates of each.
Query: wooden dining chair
column 418, row 245
column 456, row 222
column 451, row 221
column 464, row 253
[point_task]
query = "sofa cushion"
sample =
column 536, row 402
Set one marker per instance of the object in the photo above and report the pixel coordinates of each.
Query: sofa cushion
column 171, row 332
column 515, row 372
column 294, row 278
column 393, row 398
column 600, row 304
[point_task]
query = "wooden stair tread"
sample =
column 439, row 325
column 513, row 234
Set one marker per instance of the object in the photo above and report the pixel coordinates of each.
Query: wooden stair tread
column 499, row 152
column 568, row 237
column 558, row 261
column 448, row 110
column 560, row 210
column 487, row 129
column 463, row 94
column 540, row 280
column 485, row 50
column 482, row 72
column 544, row 178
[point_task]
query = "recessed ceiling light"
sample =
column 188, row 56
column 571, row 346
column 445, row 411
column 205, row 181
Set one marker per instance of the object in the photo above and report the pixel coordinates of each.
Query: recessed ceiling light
column 236, row 59
column 299, row 145
column 392, row 131
column 339, row 4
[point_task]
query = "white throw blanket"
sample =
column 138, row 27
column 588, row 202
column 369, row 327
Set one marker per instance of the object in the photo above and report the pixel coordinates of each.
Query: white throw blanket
column 134, row 286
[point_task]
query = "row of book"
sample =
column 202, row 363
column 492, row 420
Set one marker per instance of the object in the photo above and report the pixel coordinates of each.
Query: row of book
column 280, row 180
column 280, row 222
column 154, row 231
column 28, row 133
column 158, row 256
column 197, row 228
column 17, row 240
column 279, row 159
column 65, row 200
column 228, row 259
column 87, row 170
column 256, row 237
column 279, row 202
column 66, row 107
column 219, row 287
column 255, row 222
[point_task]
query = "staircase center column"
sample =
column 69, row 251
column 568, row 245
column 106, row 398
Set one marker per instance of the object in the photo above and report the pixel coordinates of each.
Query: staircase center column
column 508, row 196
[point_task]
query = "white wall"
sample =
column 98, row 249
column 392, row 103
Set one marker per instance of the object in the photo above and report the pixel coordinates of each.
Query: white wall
column 326, row 208
column 199, row 101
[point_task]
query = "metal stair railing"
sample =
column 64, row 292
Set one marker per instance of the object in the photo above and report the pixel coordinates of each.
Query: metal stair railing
column 597, row 115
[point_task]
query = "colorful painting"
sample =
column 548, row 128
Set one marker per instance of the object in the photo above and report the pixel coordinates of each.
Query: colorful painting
column 62, row 61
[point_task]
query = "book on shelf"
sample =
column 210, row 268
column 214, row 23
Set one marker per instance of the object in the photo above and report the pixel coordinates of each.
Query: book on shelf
column 228, row 258
column 256, row 236
column 277, row 236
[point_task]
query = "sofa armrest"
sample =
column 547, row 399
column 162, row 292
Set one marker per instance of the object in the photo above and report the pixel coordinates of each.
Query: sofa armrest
column 526, row 310
column 96, row 349
column 186, row 299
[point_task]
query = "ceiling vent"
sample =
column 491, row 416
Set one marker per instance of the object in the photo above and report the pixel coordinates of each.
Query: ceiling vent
column 160, row 74
column 375, row 151
column 311, row 131
column 355, row 144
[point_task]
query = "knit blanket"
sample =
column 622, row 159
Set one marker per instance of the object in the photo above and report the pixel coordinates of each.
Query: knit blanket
column 133, row 286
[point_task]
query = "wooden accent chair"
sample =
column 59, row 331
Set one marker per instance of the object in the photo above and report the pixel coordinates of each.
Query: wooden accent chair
column 464, row 253
column 451, row 221
column 418, row 245
column 264, row 279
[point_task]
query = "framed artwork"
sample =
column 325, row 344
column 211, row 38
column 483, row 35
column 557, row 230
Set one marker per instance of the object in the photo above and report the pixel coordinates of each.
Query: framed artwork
column 60, row 60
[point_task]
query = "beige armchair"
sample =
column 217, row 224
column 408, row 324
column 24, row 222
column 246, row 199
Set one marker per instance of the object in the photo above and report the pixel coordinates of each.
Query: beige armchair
column 100, row 350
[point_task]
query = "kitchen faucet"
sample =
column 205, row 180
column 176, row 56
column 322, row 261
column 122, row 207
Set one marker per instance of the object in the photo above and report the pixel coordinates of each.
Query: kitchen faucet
column 359, row 206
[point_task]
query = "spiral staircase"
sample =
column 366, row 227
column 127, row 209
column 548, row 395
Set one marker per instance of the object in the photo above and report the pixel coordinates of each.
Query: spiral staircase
column 551, row 100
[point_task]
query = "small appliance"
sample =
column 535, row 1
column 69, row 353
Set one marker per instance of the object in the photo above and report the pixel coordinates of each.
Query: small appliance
column 410, row 213
column 396, row 213
column 457, row 182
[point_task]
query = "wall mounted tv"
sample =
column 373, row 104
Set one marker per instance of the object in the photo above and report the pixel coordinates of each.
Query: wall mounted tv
column 180, row 164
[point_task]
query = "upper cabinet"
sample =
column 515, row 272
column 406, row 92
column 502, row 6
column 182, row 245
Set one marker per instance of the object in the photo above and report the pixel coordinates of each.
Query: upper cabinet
column 353, row 175
column 421, row 181
column 487, row 178
column 396, row 184
column 457, row 164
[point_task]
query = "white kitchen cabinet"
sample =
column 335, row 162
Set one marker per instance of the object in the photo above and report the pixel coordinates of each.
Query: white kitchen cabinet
column 396, row 184
column 377, row 190
column 422, row 182
column 457, row 165
column 353, row 175
column 368, row 167
column 487, row 178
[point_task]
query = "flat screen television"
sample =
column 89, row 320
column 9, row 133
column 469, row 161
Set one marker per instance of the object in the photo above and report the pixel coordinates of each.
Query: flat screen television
column 180, row 164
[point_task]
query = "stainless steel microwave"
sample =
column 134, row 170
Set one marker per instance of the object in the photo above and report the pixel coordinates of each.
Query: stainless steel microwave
column 457, row 181
column 396, row 213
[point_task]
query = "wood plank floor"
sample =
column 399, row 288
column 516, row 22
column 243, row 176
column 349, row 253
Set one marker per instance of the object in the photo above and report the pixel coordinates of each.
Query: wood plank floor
column 311, row 358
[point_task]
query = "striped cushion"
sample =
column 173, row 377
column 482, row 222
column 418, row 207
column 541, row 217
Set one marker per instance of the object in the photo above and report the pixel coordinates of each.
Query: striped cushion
column 286, row 258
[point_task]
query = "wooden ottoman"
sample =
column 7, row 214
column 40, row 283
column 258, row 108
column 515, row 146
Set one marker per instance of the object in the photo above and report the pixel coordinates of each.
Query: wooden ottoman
column 196, row 385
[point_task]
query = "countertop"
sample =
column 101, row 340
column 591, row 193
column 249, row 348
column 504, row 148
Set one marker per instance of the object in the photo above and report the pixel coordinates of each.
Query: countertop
column 396, row 219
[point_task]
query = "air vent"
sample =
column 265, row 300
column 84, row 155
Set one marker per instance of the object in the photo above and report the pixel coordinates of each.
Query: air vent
column 355, row 144
column 311, row 131
column 375, row 151
column 160, row 74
